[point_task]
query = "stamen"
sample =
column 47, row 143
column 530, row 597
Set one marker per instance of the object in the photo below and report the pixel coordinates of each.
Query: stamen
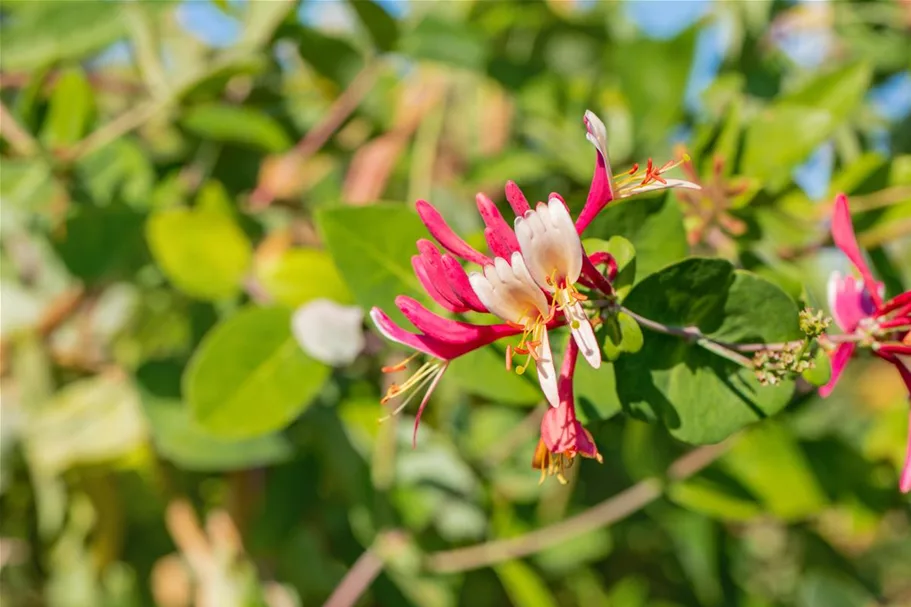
column 399, row 366
column 429, row 372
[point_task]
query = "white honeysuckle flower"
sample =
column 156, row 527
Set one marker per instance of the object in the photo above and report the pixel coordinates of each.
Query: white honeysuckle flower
column 553, row 254
column 507, row 289
column 329, row 332
column 634, row 181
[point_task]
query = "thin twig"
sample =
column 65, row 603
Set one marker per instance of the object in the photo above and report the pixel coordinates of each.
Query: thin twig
column 356, row 581
column 343, row 106
column 19, row 138
column 607, row 512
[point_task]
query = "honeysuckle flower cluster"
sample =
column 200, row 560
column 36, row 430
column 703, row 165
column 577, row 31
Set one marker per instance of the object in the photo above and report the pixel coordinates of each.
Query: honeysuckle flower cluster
column 859, row 310
column 534, row 280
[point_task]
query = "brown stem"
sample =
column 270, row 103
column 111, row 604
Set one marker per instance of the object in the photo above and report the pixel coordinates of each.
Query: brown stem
column 19, row 139
column 356, row 581
column 607, row 512
column 343, row 106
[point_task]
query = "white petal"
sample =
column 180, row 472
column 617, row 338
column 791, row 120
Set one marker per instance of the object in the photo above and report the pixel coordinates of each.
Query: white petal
column 671, row 183
column 547, row 375
column 521, row 274
column 597, row 132
column 329, row 332
column 584, row 335
column 570, row 245
column 482, row 288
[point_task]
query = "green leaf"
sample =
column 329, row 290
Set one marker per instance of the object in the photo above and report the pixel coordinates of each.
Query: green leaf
column 71, row 110
column 382, row 27
column 249, row 376
column 236, row 124
column 47, row 32
column 621, row 334
column 655, row 97
column 300, row 275
column 523, row 585
column 821, row 371
column 831, row 589
column 372, row 248
column 768, row 462
column 332, row 57
column 261, row 20
column 203, row 252
column 99, row 243
column 446, row 41
column 118, row 172
column 700, row 396
column 180, row 439
column 803, row 128
column 804, row 118
column 654, row 225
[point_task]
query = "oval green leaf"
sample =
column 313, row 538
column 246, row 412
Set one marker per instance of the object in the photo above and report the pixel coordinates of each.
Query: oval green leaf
column 249, row 377
column 204, row 253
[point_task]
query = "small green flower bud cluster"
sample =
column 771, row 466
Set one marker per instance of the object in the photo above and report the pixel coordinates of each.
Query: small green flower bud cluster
column 774, row 365
column 813, row 325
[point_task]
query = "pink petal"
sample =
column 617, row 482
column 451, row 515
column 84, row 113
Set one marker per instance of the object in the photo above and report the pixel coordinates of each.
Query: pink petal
column 849, row 301
column 839, row 361
column 451, row 331
column 899, row 301
column 432, row 264
column 554, row 428
column 458, row 281
column 905, row 483
column 422, row 343
column 516, row 199
column 440, row 230
column 601, row 191
column 844, row 238
column 430, row 285
column 500, row 237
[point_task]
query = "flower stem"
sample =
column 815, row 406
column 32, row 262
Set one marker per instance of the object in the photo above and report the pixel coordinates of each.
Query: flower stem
column 607, row 512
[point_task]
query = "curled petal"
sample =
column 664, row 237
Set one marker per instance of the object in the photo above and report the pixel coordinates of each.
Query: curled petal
column 844, row 238
column 458, row 280
column 651, row 187
column 550, row 245
column 849, row 301
column 898, row 302
column 601, row 190
column 500, row 237
column 431, row 286
column 547, row 377
column 507, row 290
column 839, row 361
column 429, row 267
column 905, row 482
column 516, row 199
column 446, row 347
column 583, row 334
column 450, row 241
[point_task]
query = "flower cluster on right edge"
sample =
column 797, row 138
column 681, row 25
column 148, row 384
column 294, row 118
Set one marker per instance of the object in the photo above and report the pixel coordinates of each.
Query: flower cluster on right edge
column 859, row 309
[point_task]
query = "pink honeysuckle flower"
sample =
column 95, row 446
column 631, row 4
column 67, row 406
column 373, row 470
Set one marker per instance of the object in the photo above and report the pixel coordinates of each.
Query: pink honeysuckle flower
column 857, row 306
column 606, row 187
column 508, row 291
column 562, row 436
column 858, row 309
column 529, row 280
column 553, row 253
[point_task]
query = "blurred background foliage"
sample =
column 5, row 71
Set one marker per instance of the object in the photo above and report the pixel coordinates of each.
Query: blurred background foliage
column 178, row 177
